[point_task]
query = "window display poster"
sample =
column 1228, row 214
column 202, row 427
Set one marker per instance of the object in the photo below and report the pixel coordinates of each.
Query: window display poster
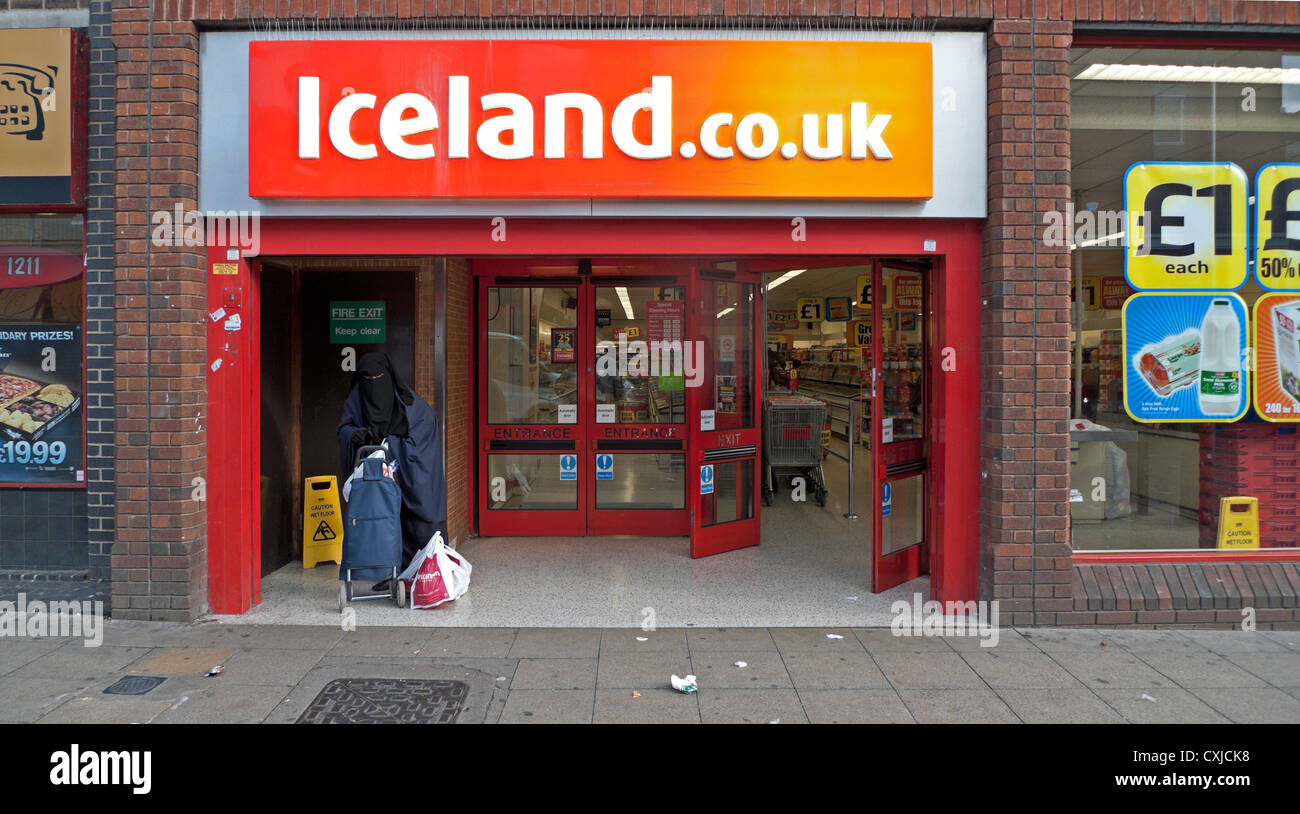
column 1277, row 227
column 907, row 292
column 562, row 345
column 864, row 292
column 1276, row 341
column 1184, row 226
column 1114, row 291
column 664, row 320
column 861, row 333
column 1185, row 357
column 42, row 425
column 838, row 309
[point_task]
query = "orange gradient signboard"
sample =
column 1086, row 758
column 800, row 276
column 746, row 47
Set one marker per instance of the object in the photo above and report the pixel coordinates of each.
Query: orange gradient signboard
column 422, row 119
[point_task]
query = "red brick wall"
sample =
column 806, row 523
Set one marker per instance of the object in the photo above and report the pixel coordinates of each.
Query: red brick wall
column 1025, row 548
column 1024, row 524
column 159, row 558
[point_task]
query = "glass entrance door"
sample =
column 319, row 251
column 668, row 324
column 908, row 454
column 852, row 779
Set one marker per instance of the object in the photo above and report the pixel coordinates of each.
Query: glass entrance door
column 901, row 387
column 533, row 401
column 582, row 404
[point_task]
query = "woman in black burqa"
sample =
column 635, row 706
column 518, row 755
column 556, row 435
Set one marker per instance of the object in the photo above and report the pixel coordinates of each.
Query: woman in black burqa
column 381, row 407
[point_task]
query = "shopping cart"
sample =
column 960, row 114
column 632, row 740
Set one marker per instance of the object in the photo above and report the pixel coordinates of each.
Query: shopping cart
column 372, row 537
column 792, row 443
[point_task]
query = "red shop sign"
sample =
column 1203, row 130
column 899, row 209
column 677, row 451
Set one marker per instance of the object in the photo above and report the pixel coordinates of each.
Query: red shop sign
column 23, row 266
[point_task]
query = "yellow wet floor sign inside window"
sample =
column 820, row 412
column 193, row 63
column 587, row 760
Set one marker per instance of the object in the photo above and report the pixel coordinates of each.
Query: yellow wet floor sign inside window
column 322, row 522
column 1239, row 522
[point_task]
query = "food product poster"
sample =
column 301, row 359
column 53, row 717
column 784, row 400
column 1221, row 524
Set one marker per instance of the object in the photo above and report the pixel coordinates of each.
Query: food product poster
column 41, row 421
column 1276, row 340
column 562, row 345
column 838, row 309
column 1185, row 357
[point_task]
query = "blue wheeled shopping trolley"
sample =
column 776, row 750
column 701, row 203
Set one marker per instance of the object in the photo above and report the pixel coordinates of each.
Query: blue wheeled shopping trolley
column 372, row 530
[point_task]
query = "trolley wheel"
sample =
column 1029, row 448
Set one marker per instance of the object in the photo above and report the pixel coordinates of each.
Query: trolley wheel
column 821, row 497
column 399, row 593
column 343, row 597
column 767, row 496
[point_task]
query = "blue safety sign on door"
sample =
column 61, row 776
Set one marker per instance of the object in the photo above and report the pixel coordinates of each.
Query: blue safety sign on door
column 706, row 479
column 568, row 467
column 886, row 499
column 604, row 467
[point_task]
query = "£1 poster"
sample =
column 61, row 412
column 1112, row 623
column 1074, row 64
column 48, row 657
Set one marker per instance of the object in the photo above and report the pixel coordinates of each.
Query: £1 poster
column 42, row 425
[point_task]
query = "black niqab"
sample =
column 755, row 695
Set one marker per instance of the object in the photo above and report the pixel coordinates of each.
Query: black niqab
column 382, row 396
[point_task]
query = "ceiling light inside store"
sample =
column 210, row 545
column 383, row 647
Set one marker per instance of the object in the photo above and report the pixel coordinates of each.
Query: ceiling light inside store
column 789, row 275
column 627, row 303
column 724, row 312
column 1190, row 73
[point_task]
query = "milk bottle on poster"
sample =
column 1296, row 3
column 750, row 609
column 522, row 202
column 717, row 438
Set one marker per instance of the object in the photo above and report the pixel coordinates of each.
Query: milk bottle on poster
column 1220, row 390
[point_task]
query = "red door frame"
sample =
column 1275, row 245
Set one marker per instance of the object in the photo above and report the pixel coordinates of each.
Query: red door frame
column 724, row 445
column 233, row 389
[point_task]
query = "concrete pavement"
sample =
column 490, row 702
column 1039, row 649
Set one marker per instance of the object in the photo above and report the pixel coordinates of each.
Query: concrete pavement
column 757, row 675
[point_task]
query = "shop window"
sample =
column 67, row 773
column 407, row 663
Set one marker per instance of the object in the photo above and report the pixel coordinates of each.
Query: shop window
column 1157, row 444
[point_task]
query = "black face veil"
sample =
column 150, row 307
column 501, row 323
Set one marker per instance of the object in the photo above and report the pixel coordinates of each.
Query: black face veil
column 383, row 396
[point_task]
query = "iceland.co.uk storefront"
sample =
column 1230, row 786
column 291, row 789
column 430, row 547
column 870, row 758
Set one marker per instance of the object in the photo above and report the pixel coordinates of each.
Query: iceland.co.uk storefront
column 849, row 295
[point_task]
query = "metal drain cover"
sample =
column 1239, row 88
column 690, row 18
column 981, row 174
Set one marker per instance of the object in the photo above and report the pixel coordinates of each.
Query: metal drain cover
column 387, row 701
column 133, row 685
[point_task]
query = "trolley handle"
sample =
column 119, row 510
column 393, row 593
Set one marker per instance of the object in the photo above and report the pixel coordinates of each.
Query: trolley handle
column 367, row 450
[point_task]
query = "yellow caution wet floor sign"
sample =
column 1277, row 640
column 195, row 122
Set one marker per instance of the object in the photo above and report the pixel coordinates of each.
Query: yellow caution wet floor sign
column 1239, row 522
column 322, row 522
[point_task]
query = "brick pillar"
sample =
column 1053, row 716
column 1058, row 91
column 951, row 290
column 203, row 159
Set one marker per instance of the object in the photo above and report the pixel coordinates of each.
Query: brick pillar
column 460, row 344
column 159, row 557
column 1024, row 535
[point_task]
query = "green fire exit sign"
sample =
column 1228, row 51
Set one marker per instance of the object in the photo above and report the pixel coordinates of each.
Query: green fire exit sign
column 357, row 322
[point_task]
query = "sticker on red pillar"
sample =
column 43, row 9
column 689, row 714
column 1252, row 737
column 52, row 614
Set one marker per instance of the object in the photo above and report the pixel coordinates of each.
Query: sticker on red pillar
column 1276, row 335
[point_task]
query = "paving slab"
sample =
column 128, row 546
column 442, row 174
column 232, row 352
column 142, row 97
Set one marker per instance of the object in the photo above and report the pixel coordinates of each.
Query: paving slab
column 1059, row 706
column 549, row 707
column 1197, row 668
column 382, row 641
column 23, row 700
column 928, row 671
column 274, row 667
column 105, row 709
column 834, row 670
column 1234, row 642
column 649, row 706
column 1281, row 668
column 294, row 637
column 556, row 643
column 883, row 640
column 1110, row 668
column 1253, row 705
column 640, row 670
column 85, row 663
column 1171, row 705
column 795, row 639
column 729, row 639
column 221, row 704
column 728, row 706
column 169, row 660
column 717, row 670
column 1290, row 639
column 554, row 674
column 629, row 640
column 1019, row 670
column 16, row 652
column 476, row 642
column 1051, row 640
column 957, row 706
column 1008, row 640
column 1143, row 639
column 855, row 707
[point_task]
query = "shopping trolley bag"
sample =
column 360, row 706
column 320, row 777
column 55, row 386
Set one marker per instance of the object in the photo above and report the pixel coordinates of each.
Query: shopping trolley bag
column 372, row 538
column 437, row 574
